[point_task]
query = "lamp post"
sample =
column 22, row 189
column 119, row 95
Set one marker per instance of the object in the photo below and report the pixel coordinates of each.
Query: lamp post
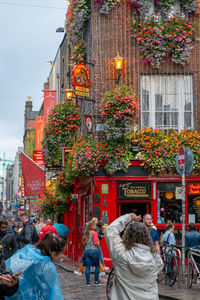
column 118, row 60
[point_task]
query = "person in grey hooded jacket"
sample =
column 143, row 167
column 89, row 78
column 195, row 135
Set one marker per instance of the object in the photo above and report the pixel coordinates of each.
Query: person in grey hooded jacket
column 136, row 263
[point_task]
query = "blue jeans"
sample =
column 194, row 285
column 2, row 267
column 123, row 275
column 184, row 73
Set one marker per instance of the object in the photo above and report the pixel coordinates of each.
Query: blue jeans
column 91, row 259
column 101, row 256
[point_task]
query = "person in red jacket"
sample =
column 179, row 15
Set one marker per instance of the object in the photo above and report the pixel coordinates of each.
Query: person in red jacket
column 47, row 228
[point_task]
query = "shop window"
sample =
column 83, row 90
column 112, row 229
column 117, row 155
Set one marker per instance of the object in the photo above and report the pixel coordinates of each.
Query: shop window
column 169, row 204
column 193, row 202
column 167, row 101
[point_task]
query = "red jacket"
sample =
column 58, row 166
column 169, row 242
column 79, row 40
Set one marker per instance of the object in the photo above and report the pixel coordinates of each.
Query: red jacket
column 45, row 229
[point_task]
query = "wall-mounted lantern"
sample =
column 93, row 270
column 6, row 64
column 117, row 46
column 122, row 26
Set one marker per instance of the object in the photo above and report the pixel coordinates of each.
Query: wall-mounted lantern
column 68, row 94
column 118, row 66
column 118, row 62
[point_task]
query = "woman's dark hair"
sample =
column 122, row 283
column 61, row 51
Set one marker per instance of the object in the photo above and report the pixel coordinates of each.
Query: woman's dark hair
column 51, row 243
column 169, row 226
column 100, row 223
column 136, row 233
column 191, row 226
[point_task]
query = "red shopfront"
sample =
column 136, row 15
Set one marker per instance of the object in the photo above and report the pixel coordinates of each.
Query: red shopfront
column 108, row 197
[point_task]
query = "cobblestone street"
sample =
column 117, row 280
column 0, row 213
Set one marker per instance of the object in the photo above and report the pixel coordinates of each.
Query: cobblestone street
column 74, row 287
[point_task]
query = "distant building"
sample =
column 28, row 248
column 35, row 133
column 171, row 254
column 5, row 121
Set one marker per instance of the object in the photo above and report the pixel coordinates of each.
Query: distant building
column 29, row 127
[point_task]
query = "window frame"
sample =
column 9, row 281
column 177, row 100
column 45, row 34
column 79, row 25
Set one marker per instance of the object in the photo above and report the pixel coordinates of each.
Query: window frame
column 181, row 94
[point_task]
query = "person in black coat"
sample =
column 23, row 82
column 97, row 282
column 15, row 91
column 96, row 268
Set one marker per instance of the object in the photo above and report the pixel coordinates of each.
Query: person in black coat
column 8, row 283
column 28, row 234
column 7, row 240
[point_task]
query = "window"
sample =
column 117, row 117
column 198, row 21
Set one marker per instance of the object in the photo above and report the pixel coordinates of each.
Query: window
column 166, row 101
column 169, row 203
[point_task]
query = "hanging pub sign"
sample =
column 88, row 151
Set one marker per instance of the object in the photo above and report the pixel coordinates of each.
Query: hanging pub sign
column 194, row 189
column 81, row 80
column 88, row 124
column 133, row 190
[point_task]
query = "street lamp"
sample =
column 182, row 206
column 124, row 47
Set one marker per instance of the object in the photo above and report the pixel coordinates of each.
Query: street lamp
column 118, row 60
column 60, row 29
column 49, row 63
column 69, row 94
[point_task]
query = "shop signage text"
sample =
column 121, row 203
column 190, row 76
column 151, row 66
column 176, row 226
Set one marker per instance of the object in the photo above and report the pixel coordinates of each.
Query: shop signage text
column 133, row 190
column 194, row 188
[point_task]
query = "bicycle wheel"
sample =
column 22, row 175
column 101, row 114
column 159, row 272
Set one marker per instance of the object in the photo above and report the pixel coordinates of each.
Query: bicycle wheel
column 172, row 270
column 190, row 274
column 109, row 284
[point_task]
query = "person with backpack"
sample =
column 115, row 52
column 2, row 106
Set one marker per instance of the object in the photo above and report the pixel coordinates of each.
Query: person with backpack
column 168, row 237
column 28, row 234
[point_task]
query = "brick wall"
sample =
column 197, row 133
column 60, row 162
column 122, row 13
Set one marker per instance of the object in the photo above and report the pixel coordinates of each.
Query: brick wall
column 111, row 34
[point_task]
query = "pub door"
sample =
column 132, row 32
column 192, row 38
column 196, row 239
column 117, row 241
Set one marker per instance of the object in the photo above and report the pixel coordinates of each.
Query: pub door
column 136, row 206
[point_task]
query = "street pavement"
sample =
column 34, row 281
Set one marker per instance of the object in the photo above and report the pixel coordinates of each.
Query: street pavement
column 74, row 287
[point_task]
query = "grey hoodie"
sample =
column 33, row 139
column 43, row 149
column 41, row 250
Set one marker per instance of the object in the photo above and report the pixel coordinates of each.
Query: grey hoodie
column 136, row 270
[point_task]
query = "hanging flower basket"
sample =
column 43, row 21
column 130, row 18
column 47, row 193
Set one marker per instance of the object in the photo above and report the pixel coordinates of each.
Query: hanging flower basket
column 61, row 129
column 120, row 109
column 159, row 38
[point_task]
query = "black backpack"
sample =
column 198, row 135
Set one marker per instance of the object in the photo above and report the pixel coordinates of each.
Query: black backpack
column 35, row 236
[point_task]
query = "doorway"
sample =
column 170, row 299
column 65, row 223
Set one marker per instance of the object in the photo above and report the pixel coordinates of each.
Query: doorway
column 138, row 208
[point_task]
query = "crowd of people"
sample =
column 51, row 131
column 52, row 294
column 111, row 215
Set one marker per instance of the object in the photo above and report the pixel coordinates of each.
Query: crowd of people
column 29, row 248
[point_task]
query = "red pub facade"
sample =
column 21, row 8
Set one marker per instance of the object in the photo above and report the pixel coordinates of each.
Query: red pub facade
column 108, row 197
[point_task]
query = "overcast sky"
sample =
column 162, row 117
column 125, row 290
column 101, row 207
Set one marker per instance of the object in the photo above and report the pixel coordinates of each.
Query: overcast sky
column 28, row 39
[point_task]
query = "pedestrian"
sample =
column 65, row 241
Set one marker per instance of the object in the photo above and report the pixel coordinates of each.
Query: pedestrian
column 8, row 282
column 21, row 226
column 28, row 234
column 7, row 240
column 147, row 220
column 47, row 228
column 9, row 228
column 40, row 224
column 100, row 236
column 168, row 237
column 39, row 279
column 135, row 260
column 192, row 239
column 91, row 242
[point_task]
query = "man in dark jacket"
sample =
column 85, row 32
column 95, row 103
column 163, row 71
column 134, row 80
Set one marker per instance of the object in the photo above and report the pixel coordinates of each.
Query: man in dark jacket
column 7, row 240
column 28, row 234
column 8, row 283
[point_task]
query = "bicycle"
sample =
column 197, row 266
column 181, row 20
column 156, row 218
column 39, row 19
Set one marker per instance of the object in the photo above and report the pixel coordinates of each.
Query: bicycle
column 193, row 263
column 110, row 282
column 170, row 265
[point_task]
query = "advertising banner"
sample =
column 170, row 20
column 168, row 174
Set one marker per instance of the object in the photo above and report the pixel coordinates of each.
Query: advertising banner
column 38, row 157
column 33, row 175
column 49, row 102
column 39, row 129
